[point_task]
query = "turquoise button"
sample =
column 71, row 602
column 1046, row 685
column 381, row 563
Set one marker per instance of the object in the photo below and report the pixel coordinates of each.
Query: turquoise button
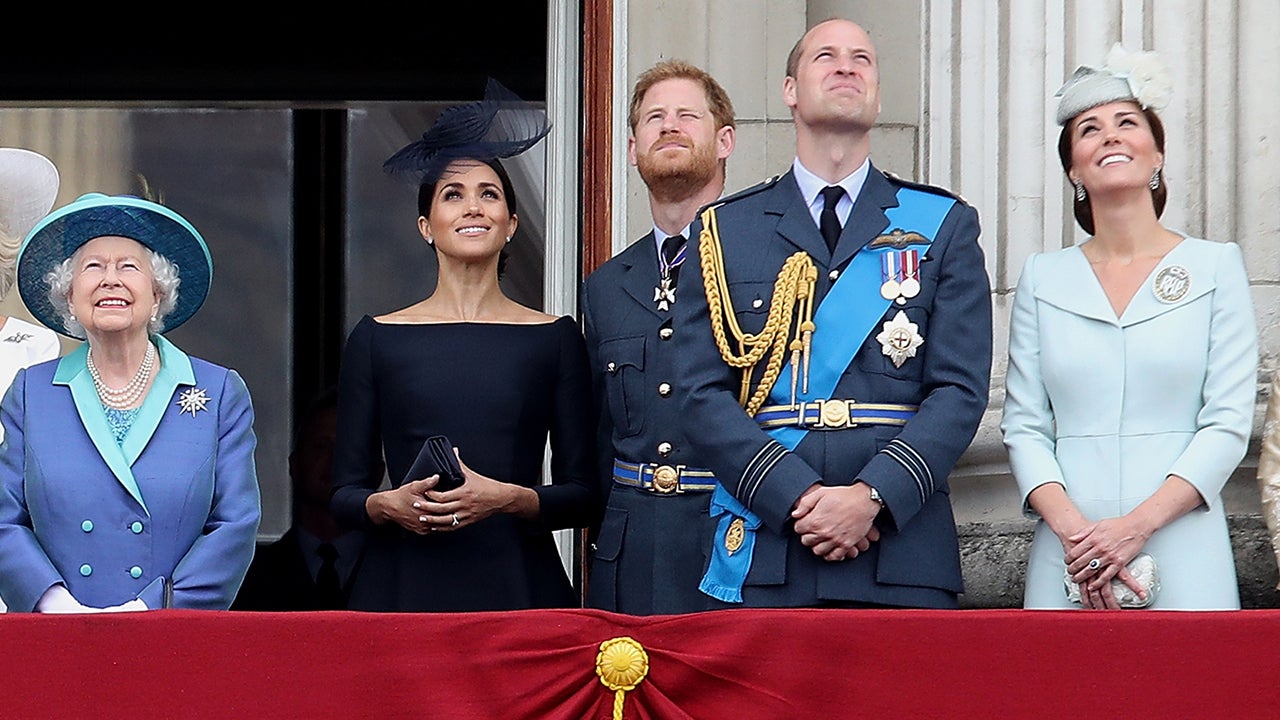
column 135, row 572
column 86, row 570
column 136, row 527
column 87, row 526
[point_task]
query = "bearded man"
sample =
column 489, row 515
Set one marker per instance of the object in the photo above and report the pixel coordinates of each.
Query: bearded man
column 650, row 550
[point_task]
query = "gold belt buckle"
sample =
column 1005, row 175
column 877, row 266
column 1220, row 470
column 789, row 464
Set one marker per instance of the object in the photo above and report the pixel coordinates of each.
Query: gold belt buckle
column 835, row 414
column 665, row 479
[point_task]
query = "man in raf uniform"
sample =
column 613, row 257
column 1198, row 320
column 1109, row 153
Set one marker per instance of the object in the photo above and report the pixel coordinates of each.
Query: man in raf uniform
column 652, row 545
column 836, row 349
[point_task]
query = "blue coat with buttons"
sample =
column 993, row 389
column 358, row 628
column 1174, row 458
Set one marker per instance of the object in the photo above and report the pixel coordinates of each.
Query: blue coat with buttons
column 916, row 563
column 651, row 549
column 175, row 507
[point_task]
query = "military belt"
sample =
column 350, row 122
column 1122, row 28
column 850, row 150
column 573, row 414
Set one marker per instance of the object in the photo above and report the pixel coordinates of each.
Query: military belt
column 663, row 479
column 834, row 414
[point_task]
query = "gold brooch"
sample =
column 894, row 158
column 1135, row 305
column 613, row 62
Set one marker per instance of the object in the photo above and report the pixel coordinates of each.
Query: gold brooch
column 734, row 536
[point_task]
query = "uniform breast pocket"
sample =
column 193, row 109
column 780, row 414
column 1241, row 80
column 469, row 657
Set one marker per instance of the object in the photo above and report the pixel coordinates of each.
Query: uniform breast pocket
column 751, row 304
column 896, row 345
column 623, row 360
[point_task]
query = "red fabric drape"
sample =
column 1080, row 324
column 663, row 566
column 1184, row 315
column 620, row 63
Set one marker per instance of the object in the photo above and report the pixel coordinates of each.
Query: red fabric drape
column 739, row 664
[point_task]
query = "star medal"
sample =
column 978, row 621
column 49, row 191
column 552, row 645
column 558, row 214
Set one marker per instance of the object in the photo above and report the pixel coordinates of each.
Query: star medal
column 1171, row 284
column 891, row 289
column 665, row 293
column 900, row 339
column 193, row 400
column 910, row 273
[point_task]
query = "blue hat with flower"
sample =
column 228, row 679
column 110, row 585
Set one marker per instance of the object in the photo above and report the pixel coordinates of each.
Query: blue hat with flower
column 1139, row 77
column 65, row 230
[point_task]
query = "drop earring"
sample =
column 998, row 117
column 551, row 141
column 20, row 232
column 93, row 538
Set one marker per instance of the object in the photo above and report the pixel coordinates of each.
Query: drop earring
column 1155, row 179
column 1080, row 193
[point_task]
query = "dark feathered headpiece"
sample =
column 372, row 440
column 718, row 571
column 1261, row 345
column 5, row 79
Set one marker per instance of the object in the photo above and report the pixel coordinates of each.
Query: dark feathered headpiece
column 499, row 126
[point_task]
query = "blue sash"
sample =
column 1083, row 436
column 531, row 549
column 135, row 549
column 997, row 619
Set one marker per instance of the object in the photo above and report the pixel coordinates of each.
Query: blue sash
column 846, row 316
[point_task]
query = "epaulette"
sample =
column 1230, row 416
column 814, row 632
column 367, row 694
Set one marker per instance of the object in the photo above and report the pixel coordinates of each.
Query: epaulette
column 758, row 187
column 935, row 189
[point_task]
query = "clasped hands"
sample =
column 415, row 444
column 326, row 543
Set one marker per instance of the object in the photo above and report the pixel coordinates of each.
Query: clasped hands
column 836, row 522
column 1113, row 542
column 419, row 508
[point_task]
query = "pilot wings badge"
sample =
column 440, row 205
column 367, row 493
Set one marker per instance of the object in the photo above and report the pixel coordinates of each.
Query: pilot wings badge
column 900, row 339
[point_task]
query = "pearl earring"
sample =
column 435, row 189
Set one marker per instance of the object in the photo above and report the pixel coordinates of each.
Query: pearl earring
column 509, row 238
column 1155, row 179
column 1080, row 193
column 430, row 241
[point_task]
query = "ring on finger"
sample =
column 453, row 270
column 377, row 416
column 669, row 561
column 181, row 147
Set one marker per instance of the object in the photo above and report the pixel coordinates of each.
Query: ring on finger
column 456, row 522
column 1094, row 564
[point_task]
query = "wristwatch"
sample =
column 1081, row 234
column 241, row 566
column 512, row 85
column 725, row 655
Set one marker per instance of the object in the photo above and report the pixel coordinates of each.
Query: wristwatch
column 874, row 494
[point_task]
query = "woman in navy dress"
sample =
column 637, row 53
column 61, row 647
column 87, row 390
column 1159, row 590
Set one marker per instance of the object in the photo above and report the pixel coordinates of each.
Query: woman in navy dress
column 495, row 377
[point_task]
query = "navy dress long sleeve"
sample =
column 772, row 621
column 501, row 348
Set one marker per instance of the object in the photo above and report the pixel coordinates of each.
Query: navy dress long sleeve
column 499, row 392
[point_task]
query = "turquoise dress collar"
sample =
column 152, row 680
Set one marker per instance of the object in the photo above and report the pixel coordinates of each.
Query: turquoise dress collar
column 73, row 371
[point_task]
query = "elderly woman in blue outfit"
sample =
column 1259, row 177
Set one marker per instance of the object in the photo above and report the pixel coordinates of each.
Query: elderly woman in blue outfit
column 127, row 477
column 1132, row 372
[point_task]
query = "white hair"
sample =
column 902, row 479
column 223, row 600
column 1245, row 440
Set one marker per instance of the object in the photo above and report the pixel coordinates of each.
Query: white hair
column 164, row 282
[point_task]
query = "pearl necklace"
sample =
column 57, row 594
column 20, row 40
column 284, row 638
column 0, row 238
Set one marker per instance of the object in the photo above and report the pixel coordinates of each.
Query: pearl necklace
column 127, row 396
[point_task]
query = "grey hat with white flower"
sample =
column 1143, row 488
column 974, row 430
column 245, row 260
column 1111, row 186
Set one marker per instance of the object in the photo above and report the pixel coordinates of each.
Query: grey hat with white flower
column 1139, row 77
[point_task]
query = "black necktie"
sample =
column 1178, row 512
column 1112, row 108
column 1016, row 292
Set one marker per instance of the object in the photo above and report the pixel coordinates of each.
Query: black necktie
column 829, row 222
column 328, row 587
column 670, row 248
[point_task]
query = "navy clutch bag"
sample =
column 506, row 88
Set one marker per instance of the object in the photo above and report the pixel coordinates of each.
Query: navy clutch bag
column 437, row 458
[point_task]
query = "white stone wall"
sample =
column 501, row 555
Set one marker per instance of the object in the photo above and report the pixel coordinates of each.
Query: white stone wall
column 967, row 90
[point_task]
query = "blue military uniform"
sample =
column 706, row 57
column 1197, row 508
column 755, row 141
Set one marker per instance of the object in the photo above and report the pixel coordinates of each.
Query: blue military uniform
column 912, row 389
column 651, row 548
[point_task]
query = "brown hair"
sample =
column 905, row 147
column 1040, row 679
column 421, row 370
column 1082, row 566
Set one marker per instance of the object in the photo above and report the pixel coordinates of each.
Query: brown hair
column 717, row 99
column 1083, row 210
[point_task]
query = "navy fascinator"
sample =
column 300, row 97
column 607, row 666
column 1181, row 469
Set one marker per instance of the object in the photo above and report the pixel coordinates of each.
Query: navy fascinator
column 499, row 126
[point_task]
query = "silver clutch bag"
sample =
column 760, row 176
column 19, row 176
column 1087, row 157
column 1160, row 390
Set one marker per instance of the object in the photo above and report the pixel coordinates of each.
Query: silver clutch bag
column 1143, row 569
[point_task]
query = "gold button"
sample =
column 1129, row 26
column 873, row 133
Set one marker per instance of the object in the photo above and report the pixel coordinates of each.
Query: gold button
column 611, row 368
column 664, row 389
column 833, row 275
column 664, row 448
column 666, row 333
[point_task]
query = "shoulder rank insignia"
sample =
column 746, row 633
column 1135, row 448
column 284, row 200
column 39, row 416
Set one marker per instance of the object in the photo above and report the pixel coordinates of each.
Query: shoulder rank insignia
column 935, row 189
column 752, row 190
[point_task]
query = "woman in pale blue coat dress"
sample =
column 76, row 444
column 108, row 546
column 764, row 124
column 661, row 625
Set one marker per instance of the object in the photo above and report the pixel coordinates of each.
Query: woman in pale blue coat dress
column 1132, row 369
column 127, row 477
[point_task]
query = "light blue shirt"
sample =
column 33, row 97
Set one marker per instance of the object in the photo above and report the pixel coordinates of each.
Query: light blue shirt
column 811, row 190
column 660, row 237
